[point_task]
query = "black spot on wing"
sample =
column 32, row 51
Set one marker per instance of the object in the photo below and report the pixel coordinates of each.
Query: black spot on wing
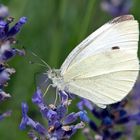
column 115, row 48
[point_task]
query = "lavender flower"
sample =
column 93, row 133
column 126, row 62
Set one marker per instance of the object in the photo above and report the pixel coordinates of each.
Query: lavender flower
column 134, row 106
column 114, row 115
column 6, row 114
column 3, row 11
column 61, row 125
column 116, row 7
column 7, row 38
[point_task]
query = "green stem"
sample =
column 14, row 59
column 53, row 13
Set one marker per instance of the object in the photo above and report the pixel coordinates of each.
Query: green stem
column 86, row 20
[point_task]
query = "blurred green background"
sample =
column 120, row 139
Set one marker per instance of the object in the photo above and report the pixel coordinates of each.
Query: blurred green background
column 53, row 29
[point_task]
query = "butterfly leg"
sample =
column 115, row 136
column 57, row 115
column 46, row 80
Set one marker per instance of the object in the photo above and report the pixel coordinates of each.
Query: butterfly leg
column 56, row 96
column 47, row 89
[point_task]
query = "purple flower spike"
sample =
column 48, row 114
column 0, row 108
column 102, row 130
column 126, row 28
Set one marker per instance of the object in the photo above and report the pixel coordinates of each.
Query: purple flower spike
column 88, row 104
column 80, row 105
column 64, row 98
column 23, row 20
column 5, row 47
column 116, row 7
column 37, row 97
column 83, row 116
column 32, row 135
column 4, row 95
column 28, row 121
column 44, row 110
column 5, row 75
column 117, row 135
column 59, row 122
column 136, row 118
column 96, row 113
column 107, row 121
column 16, row 28
column 6, row 51
column 3, row 29
column 2, row 24
column 109, row 118
column 40, row 129
column 93, row 125
column 19, row 52
column 70, row 118
column 5, row 114
column 24, row 109
column 79, row 125
column 25, row 118
column 52, row 115
column 61, row 111
column 3, row 11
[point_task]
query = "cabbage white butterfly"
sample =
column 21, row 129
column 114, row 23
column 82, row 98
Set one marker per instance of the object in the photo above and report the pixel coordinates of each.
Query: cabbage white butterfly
column 104, row 67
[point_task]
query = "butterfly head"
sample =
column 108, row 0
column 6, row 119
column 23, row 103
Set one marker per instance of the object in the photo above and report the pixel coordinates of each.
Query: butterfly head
column 53, row 73
column 56, row 78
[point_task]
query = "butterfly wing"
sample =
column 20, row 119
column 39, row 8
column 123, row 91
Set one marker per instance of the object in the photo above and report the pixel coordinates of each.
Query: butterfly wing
column 42, row 81
column 104, row 67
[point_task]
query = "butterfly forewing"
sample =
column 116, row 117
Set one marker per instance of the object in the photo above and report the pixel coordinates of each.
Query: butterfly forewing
column 104, row 67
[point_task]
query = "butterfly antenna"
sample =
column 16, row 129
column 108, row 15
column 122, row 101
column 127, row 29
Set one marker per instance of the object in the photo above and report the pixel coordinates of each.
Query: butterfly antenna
column 31, row 62
column 41, row 60
column 44, row 64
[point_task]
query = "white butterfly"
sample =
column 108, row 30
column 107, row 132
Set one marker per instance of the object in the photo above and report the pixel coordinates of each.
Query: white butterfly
column 104, row 67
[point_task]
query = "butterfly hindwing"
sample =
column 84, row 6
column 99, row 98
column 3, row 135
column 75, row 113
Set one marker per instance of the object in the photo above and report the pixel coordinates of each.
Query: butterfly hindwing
column 109, row 80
